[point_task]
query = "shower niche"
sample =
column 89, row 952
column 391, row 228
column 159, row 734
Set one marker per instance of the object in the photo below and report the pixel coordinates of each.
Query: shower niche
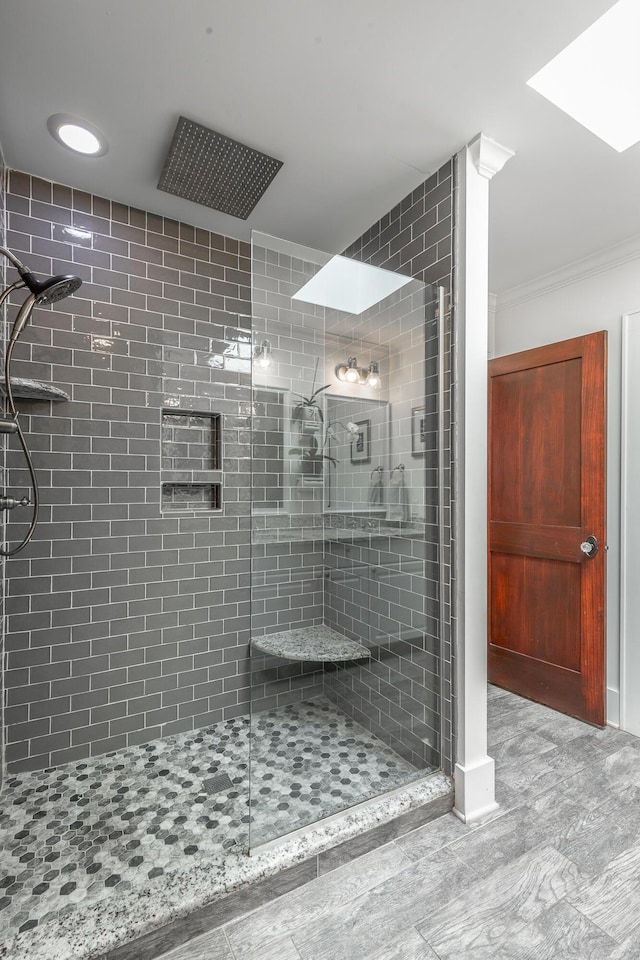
column 191, row 460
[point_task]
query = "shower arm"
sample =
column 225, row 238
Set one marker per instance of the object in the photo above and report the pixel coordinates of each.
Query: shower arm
column 20, row 267
column 9, row 424
column 6, row 425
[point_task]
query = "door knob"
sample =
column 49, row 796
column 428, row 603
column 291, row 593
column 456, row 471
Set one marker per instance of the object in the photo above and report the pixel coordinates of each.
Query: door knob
column 590, row 547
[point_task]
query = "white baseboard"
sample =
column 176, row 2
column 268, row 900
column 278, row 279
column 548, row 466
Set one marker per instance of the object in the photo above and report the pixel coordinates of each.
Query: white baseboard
column 613, row 707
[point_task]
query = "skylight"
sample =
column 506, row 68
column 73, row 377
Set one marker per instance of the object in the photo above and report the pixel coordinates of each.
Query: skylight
column 596, row 79
column 349, row 285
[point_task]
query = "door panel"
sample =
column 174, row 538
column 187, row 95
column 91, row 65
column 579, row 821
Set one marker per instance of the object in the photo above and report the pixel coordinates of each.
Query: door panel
column 552, row 589
column 547, row 495
column 537, row 415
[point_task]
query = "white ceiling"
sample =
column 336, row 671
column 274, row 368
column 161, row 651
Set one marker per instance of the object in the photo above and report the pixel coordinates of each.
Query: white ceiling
column 361, row 99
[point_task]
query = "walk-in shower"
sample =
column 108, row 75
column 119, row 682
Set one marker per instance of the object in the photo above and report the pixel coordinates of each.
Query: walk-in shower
column 226, row 646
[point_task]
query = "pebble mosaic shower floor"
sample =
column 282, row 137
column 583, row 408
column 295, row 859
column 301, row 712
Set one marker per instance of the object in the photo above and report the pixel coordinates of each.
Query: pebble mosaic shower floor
column 77, row 834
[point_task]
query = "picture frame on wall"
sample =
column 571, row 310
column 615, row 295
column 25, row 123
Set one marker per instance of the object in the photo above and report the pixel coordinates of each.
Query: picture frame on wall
column 418, row 431
column 361, row 442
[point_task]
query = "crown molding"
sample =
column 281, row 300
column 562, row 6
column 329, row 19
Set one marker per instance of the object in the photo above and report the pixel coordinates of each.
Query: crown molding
column 574, row 272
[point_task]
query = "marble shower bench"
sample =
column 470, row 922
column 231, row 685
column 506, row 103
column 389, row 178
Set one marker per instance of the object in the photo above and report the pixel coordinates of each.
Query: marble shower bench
column 320, row 644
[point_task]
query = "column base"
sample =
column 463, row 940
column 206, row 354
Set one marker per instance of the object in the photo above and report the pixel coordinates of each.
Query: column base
column 475, row 790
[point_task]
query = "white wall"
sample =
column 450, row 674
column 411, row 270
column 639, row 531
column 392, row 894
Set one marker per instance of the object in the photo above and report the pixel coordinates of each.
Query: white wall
column 590, row 297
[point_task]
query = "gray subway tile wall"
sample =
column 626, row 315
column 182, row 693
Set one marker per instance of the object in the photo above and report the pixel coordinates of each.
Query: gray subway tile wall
column 382, row 587
column 406, row 691
column 415, row 237
column 3, row 279
column 378, row 587
column 128, row 619
column 288, row 560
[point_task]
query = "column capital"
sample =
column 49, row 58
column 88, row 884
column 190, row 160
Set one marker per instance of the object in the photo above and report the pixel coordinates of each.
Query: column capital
column 488, row 156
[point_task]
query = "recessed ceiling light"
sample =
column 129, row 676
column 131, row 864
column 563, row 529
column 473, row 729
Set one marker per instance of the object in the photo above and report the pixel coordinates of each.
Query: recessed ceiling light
column 349, row 285
column 596, row 79
column 77, row 135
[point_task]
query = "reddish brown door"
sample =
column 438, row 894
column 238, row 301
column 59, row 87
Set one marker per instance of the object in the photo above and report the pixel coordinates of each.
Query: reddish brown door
column 547, row 465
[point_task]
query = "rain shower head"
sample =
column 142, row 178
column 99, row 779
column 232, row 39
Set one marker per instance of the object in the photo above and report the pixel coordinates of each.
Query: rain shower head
column 52, row 289
column 207, row 167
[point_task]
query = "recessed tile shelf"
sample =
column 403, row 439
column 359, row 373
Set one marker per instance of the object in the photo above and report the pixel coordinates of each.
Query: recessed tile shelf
column 190, row 440
column 320, row 644
column 191, row 461
column 191, row 496
column 23, row 388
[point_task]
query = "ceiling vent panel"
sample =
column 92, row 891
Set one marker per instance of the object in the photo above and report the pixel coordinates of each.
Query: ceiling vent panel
column 208, row 168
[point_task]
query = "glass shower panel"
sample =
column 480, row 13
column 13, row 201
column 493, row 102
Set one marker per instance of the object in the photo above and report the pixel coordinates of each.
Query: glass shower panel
column 345, row 665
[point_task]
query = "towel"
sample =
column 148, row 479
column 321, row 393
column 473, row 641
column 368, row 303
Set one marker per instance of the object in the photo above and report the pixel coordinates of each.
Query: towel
column 398, row 495
column 375, row 487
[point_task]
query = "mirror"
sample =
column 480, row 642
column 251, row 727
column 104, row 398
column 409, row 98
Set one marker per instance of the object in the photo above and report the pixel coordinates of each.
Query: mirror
column 357, row 433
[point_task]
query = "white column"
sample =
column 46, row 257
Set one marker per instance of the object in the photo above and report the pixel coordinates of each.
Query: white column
column 474, row 770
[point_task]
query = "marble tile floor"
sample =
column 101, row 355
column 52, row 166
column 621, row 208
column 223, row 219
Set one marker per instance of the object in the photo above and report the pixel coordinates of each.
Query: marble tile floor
column 80, row 834
column 554, row 874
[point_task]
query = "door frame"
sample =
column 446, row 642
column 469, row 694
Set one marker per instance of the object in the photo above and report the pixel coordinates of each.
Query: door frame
column 629, row 562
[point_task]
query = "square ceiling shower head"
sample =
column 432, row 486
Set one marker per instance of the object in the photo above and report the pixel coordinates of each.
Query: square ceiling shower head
column 209, row 168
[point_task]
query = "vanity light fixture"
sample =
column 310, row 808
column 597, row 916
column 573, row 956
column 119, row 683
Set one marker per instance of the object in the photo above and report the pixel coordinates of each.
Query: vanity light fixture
column 365, row 377
column 373, row 377
column 263, row 355
column 352, row 374
column 349, row 371
column 341, row 371
column 77, row 135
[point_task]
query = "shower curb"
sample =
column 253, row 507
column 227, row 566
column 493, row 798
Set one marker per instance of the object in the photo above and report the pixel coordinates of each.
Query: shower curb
column 250, row 898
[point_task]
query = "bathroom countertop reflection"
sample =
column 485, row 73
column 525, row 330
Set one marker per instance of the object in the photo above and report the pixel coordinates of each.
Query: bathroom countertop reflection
column 284, row 531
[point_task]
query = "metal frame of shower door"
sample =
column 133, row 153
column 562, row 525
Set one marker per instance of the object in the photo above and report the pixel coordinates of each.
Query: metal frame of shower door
column 440, row 329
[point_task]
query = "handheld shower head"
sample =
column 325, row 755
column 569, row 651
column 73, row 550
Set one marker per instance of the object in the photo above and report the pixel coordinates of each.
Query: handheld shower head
column 40, row 292
column 45, row 291
column 52, row 289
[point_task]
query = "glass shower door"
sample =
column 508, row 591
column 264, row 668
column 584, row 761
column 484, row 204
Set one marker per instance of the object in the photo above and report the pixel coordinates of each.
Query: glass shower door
column 345, row 667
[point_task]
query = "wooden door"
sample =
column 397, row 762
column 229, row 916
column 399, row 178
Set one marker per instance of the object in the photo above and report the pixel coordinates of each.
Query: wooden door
column 547, row 468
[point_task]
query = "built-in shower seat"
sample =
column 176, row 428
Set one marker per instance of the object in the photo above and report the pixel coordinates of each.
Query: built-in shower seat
column 319, row 644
